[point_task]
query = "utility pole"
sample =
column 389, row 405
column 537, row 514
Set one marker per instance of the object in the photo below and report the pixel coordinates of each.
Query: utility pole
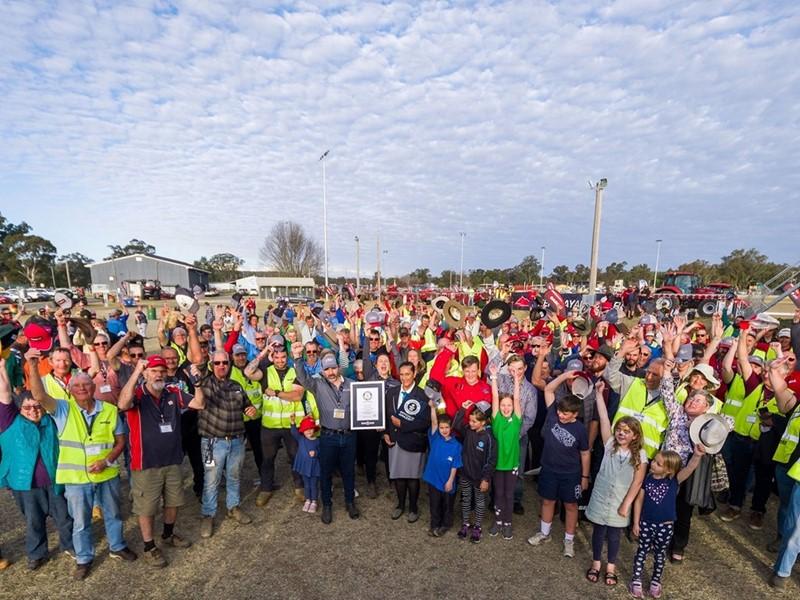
column 461, row 276
column 325, row 216
column 598, row 210
column 69, row 282
column 541, row 273
column 358, row 265
column 658, row 259
column 53, row 275
column 378, row 260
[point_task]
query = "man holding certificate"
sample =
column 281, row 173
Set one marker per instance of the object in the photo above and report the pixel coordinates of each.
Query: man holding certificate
column 337, row 443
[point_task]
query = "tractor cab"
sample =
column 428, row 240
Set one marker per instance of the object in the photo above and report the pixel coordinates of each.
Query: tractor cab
column 681, row 283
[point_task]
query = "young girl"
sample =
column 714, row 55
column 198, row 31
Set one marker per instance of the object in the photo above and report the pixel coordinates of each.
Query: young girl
column 616, row 486
column 306, row 461
column 479, row 457
column 444, row 459
column 654, row 513
column 506, row 426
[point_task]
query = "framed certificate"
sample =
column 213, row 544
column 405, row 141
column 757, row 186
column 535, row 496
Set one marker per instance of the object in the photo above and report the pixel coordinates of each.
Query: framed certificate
column 367, row 409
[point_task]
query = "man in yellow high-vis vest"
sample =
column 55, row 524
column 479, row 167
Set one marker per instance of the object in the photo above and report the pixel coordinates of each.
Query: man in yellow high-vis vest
column 91, row 438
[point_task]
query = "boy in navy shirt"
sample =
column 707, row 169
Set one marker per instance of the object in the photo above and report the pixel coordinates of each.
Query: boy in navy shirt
column 444, row 459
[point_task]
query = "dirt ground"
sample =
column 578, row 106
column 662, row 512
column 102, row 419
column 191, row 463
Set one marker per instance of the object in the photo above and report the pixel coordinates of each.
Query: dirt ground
column 286, row 553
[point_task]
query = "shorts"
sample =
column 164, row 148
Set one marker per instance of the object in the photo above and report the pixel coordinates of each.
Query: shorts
column 560, row 486
column 149, row 485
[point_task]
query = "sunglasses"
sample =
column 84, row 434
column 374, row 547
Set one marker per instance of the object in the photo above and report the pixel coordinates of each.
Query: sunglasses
column 312, row 351
column 36, row 408
column 374, row 339
column 100, row 344
column 261, row 339
column 137, row 355
column 535, row 346
column 219, row 363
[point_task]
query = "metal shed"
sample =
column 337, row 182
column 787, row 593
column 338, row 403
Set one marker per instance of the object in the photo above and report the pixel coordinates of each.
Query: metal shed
column 138, row 267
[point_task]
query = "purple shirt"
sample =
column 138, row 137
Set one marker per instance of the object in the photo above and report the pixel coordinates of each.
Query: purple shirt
column 8, row 412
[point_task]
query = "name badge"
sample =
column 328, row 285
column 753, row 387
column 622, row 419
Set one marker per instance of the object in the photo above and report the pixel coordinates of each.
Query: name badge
column 93, row 450
column 105, row 389
column 639, row 417
column 751, row 419
column 166, row 427
column 338, row 413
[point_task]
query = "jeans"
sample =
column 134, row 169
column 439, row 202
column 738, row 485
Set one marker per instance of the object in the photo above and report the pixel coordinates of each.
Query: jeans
column 36, row 505
column 80, row 498
column 790, row 546
column 337, row 450
column 785, row 485
column 742, row 451
column 228, row 456
column 311, row 487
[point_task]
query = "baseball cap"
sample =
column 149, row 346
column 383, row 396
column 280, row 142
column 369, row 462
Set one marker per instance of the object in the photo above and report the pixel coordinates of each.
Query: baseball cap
column 605, row 351
column 574, row 365
column 154, row 361
column 276, row 340
column 785, row 332
column 685, row 353
column 329, row 362
column 39, row 335
column 238, row 349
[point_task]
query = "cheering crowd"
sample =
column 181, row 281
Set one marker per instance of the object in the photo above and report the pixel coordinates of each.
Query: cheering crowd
column 629, row 427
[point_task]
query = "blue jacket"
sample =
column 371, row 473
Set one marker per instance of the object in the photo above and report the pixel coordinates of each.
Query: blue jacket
column 21, row 444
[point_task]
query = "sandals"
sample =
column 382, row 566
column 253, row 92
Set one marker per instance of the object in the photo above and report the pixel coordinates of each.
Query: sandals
column 593, row 575
column 611, row 579
column 676, row 559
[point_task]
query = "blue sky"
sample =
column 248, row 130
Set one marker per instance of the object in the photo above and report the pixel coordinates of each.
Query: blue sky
column 197, row 125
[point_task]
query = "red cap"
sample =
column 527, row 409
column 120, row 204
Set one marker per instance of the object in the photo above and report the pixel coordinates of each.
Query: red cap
column 39, row 336
column 154, row 361
column 307, row 423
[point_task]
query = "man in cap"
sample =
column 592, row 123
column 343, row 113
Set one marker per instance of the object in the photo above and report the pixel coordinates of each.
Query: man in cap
column 337, row 448
column 91, row 438
column 282, row 397
column 29, row 470
column 154, row 418
column 785, row 339
column 221, row 426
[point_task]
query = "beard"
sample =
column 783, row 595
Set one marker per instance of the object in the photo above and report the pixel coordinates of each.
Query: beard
column 157, row 386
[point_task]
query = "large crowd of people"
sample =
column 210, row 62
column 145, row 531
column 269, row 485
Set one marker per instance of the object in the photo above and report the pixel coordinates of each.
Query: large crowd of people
column 631, row 426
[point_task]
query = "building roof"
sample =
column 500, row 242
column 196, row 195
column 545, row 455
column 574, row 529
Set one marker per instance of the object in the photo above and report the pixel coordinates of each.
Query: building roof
column 153, row 256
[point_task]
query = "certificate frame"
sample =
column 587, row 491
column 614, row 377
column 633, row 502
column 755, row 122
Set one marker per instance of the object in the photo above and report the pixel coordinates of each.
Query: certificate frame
column 367, row 405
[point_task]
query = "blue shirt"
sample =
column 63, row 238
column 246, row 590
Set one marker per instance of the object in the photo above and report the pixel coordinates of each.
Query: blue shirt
column 563, row 443
column 442, row 456
column 660, row 497
column 117, row 327
column 62, row 411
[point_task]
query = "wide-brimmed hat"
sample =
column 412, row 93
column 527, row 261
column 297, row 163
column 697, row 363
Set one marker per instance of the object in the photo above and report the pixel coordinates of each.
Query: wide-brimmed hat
column 707, row 372
column 710, row 430
column 581, row 386
column 186, row 300
column 454, row 314
column 439, row 302
column 495, row 313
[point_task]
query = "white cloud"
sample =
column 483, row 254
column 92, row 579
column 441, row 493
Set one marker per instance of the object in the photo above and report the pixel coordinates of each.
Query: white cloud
column 198, row 125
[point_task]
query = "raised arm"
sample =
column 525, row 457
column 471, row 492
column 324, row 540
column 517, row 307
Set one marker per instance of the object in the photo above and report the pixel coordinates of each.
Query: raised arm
column 536, row 377
column 517, row 399
column 161, row 331
column 310, row 383
column 550, row 388
column 693, row 463
column 5, row 384
column 251, row 371
column 602, row 411
column 785, row 398
column 37, row 387
column 434, row 416
column 113, row 352
column 727, row 364
column 125, row 400
column 742, row 357
column 194, row 354
column 493, row 370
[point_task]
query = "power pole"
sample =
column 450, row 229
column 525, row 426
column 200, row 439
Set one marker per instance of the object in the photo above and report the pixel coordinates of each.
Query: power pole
column 325, row 217
column 461, row 276
column 658, row 259
column 69, row 282
column 378, row 259
column 598, row 209
column 358, row 265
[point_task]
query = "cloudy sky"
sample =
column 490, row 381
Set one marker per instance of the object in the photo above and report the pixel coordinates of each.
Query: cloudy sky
column 198, row 125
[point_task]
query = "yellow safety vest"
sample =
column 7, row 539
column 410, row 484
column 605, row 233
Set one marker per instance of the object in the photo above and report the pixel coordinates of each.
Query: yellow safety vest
column 683, row 392
column 181, row 353
column 78, row 447
column 653, row 417
column 789, row 439
column 454, row 368
column 274, row 411
column 734, row 397
column 251, row 388
column 55, row 388
column 429, row 338
column 746, row 421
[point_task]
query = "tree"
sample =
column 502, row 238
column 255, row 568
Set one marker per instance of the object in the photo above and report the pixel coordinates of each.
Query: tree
column 744, row 267
column 7, row 263
column 223, row 266
column 614, row 271
column 705, row 269
column 420, row 276
column 79, row 273
column 29, row 254
column 561, row 274
column 640, row 271
column 290, row 251
column 133, row 247
column 526, row 271
column 447, row 278
column 581, row 274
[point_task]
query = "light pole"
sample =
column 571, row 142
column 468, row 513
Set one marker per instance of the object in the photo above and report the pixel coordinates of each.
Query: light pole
column 358, row 264
column 325, row 216
column 658, row 259
column 385, row 254
column 69, row 282
column 461, row 276
column 598, row 209
column 378, row 260
column 541, row 273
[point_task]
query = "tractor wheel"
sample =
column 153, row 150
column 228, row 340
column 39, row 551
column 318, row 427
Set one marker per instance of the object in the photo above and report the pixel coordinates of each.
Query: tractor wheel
column 667, row 303
column 707, row 308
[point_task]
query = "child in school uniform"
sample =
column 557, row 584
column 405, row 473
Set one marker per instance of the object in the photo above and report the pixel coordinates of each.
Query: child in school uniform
column 444, row 460
column 479, row 457
column 654, row 514
column 306, row 461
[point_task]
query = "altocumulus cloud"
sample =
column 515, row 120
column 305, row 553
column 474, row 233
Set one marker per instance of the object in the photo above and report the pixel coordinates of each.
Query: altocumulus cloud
column 198, row 125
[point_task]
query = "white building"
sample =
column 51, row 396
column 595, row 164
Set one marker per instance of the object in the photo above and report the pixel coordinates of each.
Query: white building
column 273, row 287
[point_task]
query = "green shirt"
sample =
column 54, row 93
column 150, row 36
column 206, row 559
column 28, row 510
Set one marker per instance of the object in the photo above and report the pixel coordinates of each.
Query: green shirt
column 506, row 432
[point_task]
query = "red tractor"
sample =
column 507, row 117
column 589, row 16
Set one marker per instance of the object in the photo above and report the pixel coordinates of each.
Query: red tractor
column 685, row 290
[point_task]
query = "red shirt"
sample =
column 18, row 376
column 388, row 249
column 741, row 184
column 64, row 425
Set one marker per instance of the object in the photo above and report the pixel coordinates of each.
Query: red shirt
column 455, row 390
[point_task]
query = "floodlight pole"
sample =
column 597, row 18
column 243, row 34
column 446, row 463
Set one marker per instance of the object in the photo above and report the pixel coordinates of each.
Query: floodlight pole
column 325, row 216
column 658, row 259
column 598, row 210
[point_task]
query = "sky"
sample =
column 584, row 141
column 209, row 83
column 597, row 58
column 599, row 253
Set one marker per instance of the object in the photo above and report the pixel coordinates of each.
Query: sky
column 198, row 125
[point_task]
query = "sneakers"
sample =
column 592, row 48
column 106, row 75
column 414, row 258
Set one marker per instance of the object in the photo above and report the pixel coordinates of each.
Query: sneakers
column 397, row 512
column 464, row 531
column 635, row 589
column 538, row 539
column 312, row 507
column 756, row 521
column 327, row 514
column 155, row 559
column 352, row 511
column 36, row 563
column 372, row 491
column 238, row 515
column 494, row 530
column 655, row 589
column 125, row 554
column 263, row 498
column 731, row 514
column 306, row 505
column 508, row 533
column 777, row 581
column 413, row 517
column 176, row 541
column 569, row 548
column 81, row 572
column 475, row 538
column 207, row 527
